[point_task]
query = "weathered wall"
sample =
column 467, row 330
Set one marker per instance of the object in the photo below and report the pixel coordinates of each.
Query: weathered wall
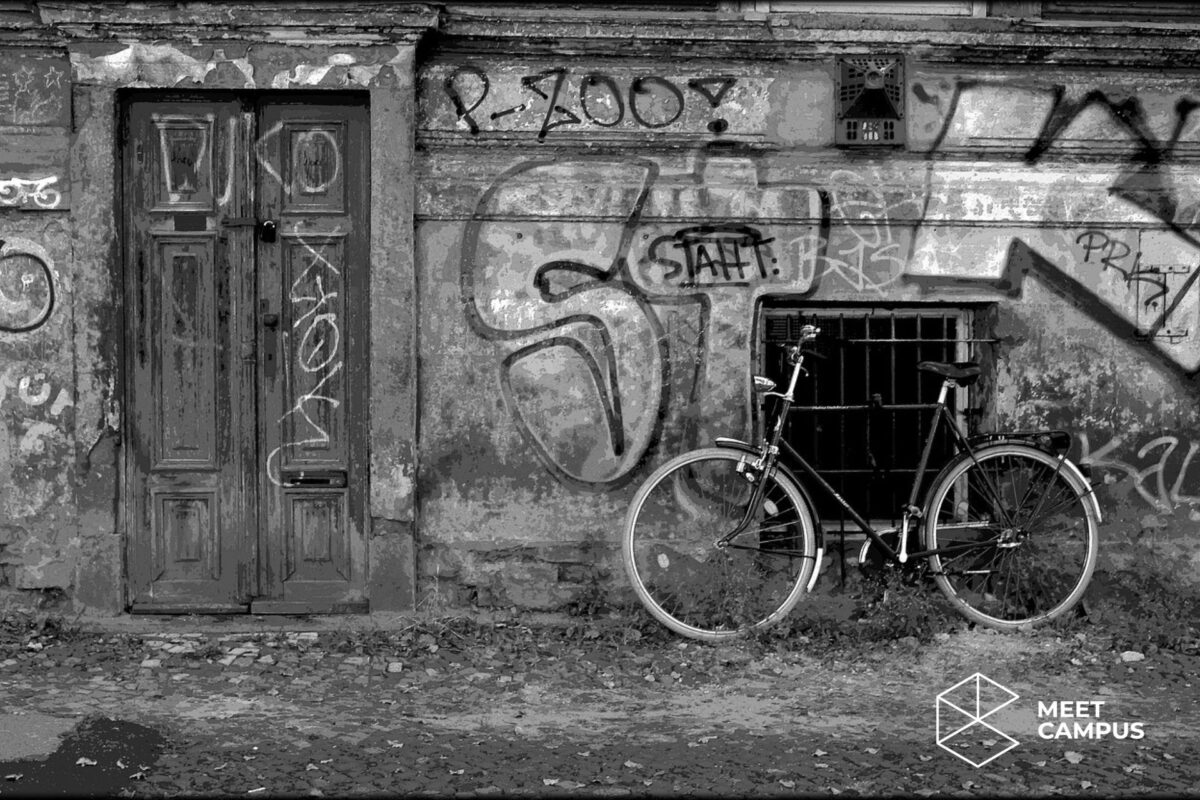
column 608, row 251
column 38, row 528
column 38, row 541
column 595, row 234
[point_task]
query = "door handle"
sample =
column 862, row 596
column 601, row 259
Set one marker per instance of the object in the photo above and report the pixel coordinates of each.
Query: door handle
column 270, row 345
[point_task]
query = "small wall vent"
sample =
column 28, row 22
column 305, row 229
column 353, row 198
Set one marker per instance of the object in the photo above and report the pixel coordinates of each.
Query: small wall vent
column 870, row 101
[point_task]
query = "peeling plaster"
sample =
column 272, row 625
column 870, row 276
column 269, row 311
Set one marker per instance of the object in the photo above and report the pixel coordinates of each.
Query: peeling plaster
column 315, row 74
column 142, row 64
column 52, row 568
column 35, row 497
column 402, row 481
column 62, row 401
column 30, row 398
column 243, row 65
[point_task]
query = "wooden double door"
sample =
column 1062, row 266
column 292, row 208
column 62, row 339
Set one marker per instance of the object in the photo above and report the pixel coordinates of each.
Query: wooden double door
column 245, row 272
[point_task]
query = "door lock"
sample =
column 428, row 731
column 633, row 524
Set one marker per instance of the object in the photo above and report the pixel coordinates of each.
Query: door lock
column 267, row 229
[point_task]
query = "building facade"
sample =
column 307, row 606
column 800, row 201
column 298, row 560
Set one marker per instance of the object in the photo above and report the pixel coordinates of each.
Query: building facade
column 333, row 308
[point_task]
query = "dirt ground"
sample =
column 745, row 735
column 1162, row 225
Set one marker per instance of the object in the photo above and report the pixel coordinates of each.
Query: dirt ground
column 447, row 709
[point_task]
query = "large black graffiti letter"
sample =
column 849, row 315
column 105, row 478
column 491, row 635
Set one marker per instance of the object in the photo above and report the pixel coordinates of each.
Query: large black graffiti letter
column 26, row 286
column 565, row 116
column 461, row 77
column 713, row 90
column 583, row 364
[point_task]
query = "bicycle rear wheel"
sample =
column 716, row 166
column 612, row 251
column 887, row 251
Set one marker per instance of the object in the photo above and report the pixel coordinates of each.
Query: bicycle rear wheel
column 1018, row 535
column 696, row 588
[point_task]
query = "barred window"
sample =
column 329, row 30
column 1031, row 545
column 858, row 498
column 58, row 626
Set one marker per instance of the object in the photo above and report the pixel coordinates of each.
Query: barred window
column 861, row 414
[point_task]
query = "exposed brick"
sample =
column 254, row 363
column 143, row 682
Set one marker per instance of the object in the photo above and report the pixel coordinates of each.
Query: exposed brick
column 534, row 586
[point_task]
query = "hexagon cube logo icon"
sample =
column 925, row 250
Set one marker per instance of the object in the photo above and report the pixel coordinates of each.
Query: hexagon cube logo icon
column 962, row 711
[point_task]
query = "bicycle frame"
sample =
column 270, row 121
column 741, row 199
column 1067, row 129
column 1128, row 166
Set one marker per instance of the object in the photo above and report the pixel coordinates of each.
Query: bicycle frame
column 770, row 450
column 911, row 510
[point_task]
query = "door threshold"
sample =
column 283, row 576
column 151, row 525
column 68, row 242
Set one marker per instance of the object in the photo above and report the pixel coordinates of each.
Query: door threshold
column 189, row 608
column 308, row 607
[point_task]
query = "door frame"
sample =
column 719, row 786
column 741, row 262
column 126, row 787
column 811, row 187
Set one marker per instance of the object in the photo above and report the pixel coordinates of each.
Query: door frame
column 248, row 395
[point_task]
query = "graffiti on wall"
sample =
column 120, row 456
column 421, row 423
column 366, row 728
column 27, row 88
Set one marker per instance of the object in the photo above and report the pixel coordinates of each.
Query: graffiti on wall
column 1155, row 289
column 1138, row 273
column 35, row 118
column 34, row 89
column 594, row 291
column 572, row 306
column 605, row 303
column 868, row 234
column 34, row 390
column 39, row 192
column 715, row 255
column 561, row 99
column 1160, row 470
column 26, row 286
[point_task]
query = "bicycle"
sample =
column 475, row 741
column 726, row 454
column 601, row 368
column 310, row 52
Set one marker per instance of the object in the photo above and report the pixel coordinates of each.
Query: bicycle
column 725, row 540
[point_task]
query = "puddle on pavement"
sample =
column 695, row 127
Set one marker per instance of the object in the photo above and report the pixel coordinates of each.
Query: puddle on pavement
column 97, row 759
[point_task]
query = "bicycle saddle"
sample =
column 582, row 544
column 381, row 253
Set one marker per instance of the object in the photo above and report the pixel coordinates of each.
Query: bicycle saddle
column 964, row 373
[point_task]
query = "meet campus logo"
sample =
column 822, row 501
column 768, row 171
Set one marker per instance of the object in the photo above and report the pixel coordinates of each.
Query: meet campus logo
column 968, row 720
column 963, row 728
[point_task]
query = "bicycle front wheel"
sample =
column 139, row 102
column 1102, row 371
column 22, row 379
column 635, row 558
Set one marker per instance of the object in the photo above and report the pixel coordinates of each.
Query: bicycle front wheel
column 691, row 584
column 1016, row 534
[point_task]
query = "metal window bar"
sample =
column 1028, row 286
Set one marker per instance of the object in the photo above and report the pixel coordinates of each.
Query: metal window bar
column 882, row 403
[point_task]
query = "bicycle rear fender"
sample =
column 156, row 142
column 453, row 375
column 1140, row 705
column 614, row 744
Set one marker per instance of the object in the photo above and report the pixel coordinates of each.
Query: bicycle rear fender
column 819, row 532
column 987, row 440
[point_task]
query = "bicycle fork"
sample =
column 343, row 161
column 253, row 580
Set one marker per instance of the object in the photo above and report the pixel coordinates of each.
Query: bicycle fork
column 761, row 467
column 754, row 472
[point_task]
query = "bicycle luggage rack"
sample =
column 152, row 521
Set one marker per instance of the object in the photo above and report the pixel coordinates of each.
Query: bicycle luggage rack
column 1055, row 442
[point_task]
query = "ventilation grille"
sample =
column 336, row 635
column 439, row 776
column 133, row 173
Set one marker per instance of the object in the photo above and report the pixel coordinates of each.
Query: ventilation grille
column 870, row 100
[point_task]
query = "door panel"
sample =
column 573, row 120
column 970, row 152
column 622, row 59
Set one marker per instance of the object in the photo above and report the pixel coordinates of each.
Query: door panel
column 246, row 453
column 309, row 281
column 184, row 499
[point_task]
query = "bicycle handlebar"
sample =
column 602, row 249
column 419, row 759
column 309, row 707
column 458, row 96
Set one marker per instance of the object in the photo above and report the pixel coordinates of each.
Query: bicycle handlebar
column 796, row 352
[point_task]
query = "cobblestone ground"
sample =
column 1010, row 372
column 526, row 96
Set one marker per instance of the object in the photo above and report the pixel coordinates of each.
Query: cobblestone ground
column 517, row 710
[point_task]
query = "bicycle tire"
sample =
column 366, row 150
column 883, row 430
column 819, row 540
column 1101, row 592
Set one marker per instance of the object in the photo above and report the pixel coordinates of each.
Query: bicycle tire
column 1028, row 534
column 695, row 588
